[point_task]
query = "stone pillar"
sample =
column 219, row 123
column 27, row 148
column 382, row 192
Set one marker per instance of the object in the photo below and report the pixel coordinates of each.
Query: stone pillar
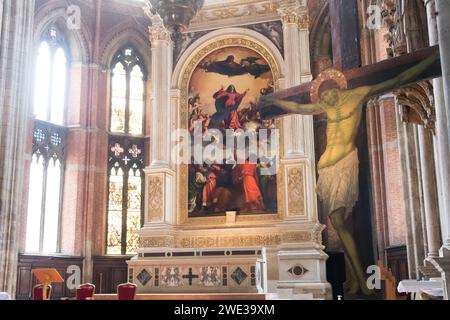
column 442, row 263
column 432, row 174
column 159, row 176
column 294, row 15
column 162, row 48
column 441, row 145
column 443, row 10
column 417, row 106
column 429, row 192
column 16, row 31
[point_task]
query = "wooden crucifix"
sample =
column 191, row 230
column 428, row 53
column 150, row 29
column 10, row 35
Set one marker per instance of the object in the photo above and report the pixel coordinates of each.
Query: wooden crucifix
column 341, row 96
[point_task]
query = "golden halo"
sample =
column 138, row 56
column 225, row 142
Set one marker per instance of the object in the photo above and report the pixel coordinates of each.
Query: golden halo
column 329, row 74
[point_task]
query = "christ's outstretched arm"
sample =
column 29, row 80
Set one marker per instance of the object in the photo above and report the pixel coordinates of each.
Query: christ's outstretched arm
column 404, row 78
column 272, row 108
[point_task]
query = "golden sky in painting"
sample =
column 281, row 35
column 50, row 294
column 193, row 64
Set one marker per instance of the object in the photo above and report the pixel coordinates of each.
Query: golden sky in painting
column 208, row 83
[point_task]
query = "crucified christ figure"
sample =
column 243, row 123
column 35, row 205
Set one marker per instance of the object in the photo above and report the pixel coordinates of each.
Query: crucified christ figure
column 338, row 167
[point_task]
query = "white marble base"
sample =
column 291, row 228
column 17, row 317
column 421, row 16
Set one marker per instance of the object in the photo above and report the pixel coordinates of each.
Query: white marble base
column 218, row 270
column 303, row 272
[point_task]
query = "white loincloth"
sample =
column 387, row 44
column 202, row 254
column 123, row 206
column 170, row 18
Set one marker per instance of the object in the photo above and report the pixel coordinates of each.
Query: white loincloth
column 338, row 185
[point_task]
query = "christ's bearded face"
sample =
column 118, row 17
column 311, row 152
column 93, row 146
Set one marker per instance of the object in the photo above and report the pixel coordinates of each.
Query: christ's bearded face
column 330, row 97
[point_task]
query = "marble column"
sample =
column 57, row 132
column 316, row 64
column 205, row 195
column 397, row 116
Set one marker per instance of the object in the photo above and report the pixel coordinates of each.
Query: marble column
column 16, row 30
column 443, row 9
column 294, row 15
column 429, row 192
column 159, row 175
column 414, row 20
column 162, row 48
column 441, row 146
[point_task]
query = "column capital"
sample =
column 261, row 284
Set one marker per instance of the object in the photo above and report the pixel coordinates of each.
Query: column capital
column 294, row 12
column 157, row 30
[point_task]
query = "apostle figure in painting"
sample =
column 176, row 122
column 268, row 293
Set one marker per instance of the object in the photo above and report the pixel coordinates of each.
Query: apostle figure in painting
column 338, row 167
column 227, row 104
column 209, row 189
column 268, row 183
column 246, row 175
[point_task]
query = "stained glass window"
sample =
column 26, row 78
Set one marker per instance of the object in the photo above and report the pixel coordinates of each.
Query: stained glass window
column 115, row 206
column 48, row 154
column 45, row 187
column 127, row 93
column 125, row 188
column 126, row 153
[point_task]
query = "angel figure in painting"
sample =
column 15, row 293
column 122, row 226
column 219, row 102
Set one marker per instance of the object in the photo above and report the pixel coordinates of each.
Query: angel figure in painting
column 338, row 184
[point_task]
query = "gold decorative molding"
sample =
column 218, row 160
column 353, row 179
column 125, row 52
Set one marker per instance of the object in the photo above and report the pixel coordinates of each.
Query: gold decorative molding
column 297, row 237
column 156, row 242
column 197, row 57
column 235, row 10
column 296, row 191
column 155, row 194
column 224, row 241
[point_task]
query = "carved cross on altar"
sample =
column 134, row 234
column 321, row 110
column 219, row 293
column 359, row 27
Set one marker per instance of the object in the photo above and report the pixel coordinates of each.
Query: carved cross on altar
column 190, row 276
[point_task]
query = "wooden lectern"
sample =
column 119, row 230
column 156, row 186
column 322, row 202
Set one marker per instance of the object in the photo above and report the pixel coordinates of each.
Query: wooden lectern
column 47, row 277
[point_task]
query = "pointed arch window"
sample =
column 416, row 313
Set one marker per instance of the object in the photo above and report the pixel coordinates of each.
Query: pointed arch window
column 49, row 140
column 126, row 153
column 128, row 93
column 45, row 188
column 125, row 189
column 51, row 79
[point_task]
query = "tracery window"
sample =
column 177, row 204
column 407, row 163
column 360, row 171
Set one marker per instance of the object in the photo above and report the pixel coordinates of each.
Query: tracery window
column 48, row 152
column 126, row 153
column 127, row 99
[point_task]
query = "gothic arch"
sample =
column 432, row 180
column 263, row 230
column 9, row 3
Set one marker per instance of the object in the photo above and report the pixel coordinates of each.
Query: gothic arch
column 227, row 33
column 78, row 40
column 121, row 36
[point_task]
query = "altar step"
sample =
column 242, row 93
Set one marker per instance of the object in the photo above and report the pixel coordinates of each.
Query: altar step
column 194, row 296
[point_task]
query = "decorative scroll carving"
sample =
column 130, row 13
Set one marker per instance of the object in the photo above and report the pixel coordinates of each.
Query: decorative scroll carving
column 296, row 191
column 155, row 195
column 417, row 104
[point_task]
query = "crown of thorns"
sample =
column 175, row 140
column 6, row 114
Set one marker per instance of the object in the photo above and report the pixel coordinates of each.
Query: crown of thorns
column 328, row 79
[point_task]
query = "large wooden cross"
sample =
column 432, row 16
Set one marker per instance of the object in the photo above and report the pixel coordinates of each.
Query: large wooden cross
column 370, row 75
column 346, row 55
